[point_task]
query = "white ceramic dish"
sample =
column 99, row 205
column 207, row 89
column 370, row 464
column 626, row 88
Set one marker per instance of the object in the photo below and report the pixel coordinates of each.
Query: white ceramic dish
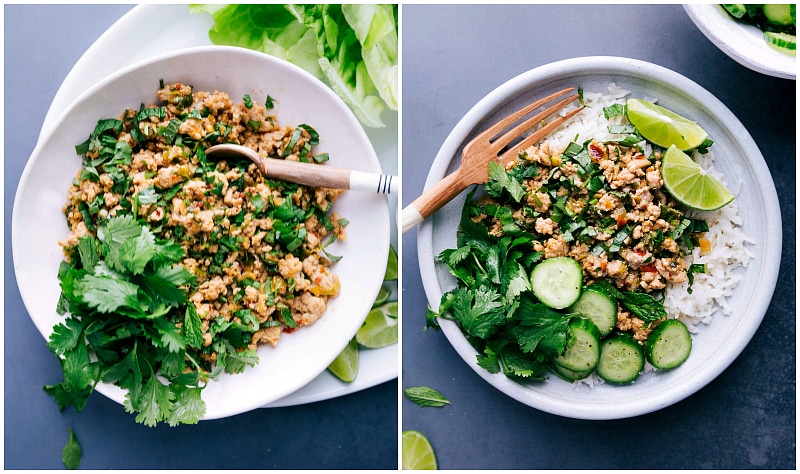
column 738, row 157
column 743, row 43
column 161, row 29
column 38, row 223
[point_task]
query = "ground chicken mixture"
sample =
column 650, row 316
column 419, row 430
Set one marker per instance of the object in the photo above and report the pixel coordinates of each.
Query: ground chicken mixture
column 618, row 227
column 256, row 246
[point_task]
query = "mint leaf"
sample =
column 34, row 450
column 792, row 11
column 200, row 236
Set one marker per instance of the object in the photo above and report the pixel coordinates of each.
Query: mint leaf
column 425, row 397
column 71, row 454
column 192, row 329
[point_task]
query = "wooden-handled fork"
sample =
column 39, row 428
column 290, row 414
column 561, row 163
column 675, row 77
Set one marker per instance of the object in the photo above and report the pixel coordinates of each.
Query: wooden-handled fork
column 485, row 147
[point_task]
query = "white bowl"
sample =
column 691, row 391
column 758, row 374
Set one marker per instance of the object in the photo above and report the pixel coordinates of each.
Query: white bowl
column 745, row 44
column 38, row 223
column 737, row 156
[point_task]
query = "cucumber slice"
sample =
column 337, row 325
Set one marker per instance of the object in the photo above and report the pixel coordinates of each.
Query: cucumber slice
column 599, row 308
column 557, row 282
column 621, row 359
column 583, row 347
column 669, row 345
column 783, row 42
column 569, row 375
column 737, row 10
column 778, row 13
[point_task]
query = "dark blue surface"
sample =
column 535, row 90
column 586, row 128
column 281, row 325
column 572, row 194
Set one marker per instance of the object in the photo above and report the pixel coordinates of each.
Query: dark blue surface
column 42, row 43
column 452, row 57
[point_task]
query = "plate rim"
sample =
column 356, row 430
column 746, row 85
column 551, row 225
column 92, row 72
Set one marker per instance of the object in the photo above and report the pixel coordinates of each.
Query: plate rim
column 376, row 365
column 448, row 154
column 382, row 224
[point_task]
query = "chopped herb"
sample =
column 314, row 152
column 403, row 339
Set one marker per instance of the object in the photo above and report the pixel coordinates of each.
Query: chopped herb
column 425, row 397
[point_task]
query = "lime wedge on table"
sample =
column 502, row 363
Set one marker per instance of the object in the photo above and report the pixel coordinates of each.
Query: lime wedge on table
column 391, row 265
column 417, row 452
column 687, row 182
column 345, row 365
column 664, row 127
column 380, row 327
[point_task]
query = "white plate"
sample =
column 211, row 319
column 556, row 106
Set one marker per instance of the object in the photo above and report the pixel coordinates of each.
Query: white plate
column 738, row 157
column 161, row 29
column 743, row 43
column 38, row 222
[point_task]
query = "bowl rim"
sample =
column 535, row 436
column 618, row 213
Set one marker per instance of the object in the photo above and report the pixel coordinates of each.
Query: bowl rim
column 605, row 65
column 732, row 37
column 381, row 224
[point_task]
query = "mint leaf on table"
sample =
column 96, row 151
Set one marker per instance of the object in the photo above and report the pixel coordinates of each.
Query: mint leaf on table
column 71, row 454
column 425, row 396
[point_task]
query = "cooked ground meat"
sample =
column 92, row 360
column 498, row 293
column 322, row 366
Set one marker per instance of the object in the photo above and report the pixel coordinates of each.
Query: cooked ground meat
column 255, row 245
column 618, row 227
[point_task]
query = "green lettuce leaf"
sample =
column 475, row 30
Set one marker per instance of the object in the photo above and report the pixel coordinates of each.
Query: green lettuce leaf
column 351, row 47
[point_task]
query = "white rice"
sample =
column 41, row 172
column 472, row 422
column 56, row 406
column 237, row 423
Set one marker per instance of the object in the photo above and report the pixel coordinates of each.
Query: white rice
column 729, row 245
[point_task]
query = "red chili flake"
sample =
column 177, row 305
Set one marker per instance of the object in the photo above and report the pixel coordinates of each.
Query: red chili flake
column 651, row 268
column 596, row 152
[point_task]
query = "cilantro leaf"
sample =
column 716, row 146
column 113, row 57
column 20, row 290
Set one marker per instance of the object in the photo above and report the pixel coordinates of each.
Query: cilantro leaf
column 480, row 311
column 188, row 407
column 107, row 294
column 154, row 404
column 500, row 180
column 65, row 336
column 135, row 253
column 541, row 328
column 235, row 361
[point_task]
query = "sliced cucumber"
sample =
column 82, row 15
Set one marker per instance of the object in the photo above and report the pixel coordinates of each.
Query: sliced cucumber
column 621, row 359
column 737, row 10
column 557, row 282
column 778, row 13
column 569, row 375
column 782, row 42
column 599, row 308
column 583, row 347
column 669, row 345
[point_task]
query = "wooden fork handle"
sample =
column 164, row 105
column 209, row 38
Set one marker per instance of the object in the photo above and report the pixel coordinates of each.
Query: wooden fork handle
column 326, row 176
column 433, row 199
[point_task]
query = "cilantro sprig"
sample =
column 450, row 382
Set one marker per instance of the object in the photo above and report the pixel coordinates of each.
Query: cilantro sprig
column 126, row 299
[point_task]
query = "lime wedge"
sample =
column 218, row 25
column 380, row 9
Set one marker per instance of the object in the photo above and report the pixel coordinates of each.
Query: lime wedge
column 383, row 296
column 380, row 327
column 345, row 365
column 391, row 265
column 687, row 182
column 417, row 452
column 664, row 127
